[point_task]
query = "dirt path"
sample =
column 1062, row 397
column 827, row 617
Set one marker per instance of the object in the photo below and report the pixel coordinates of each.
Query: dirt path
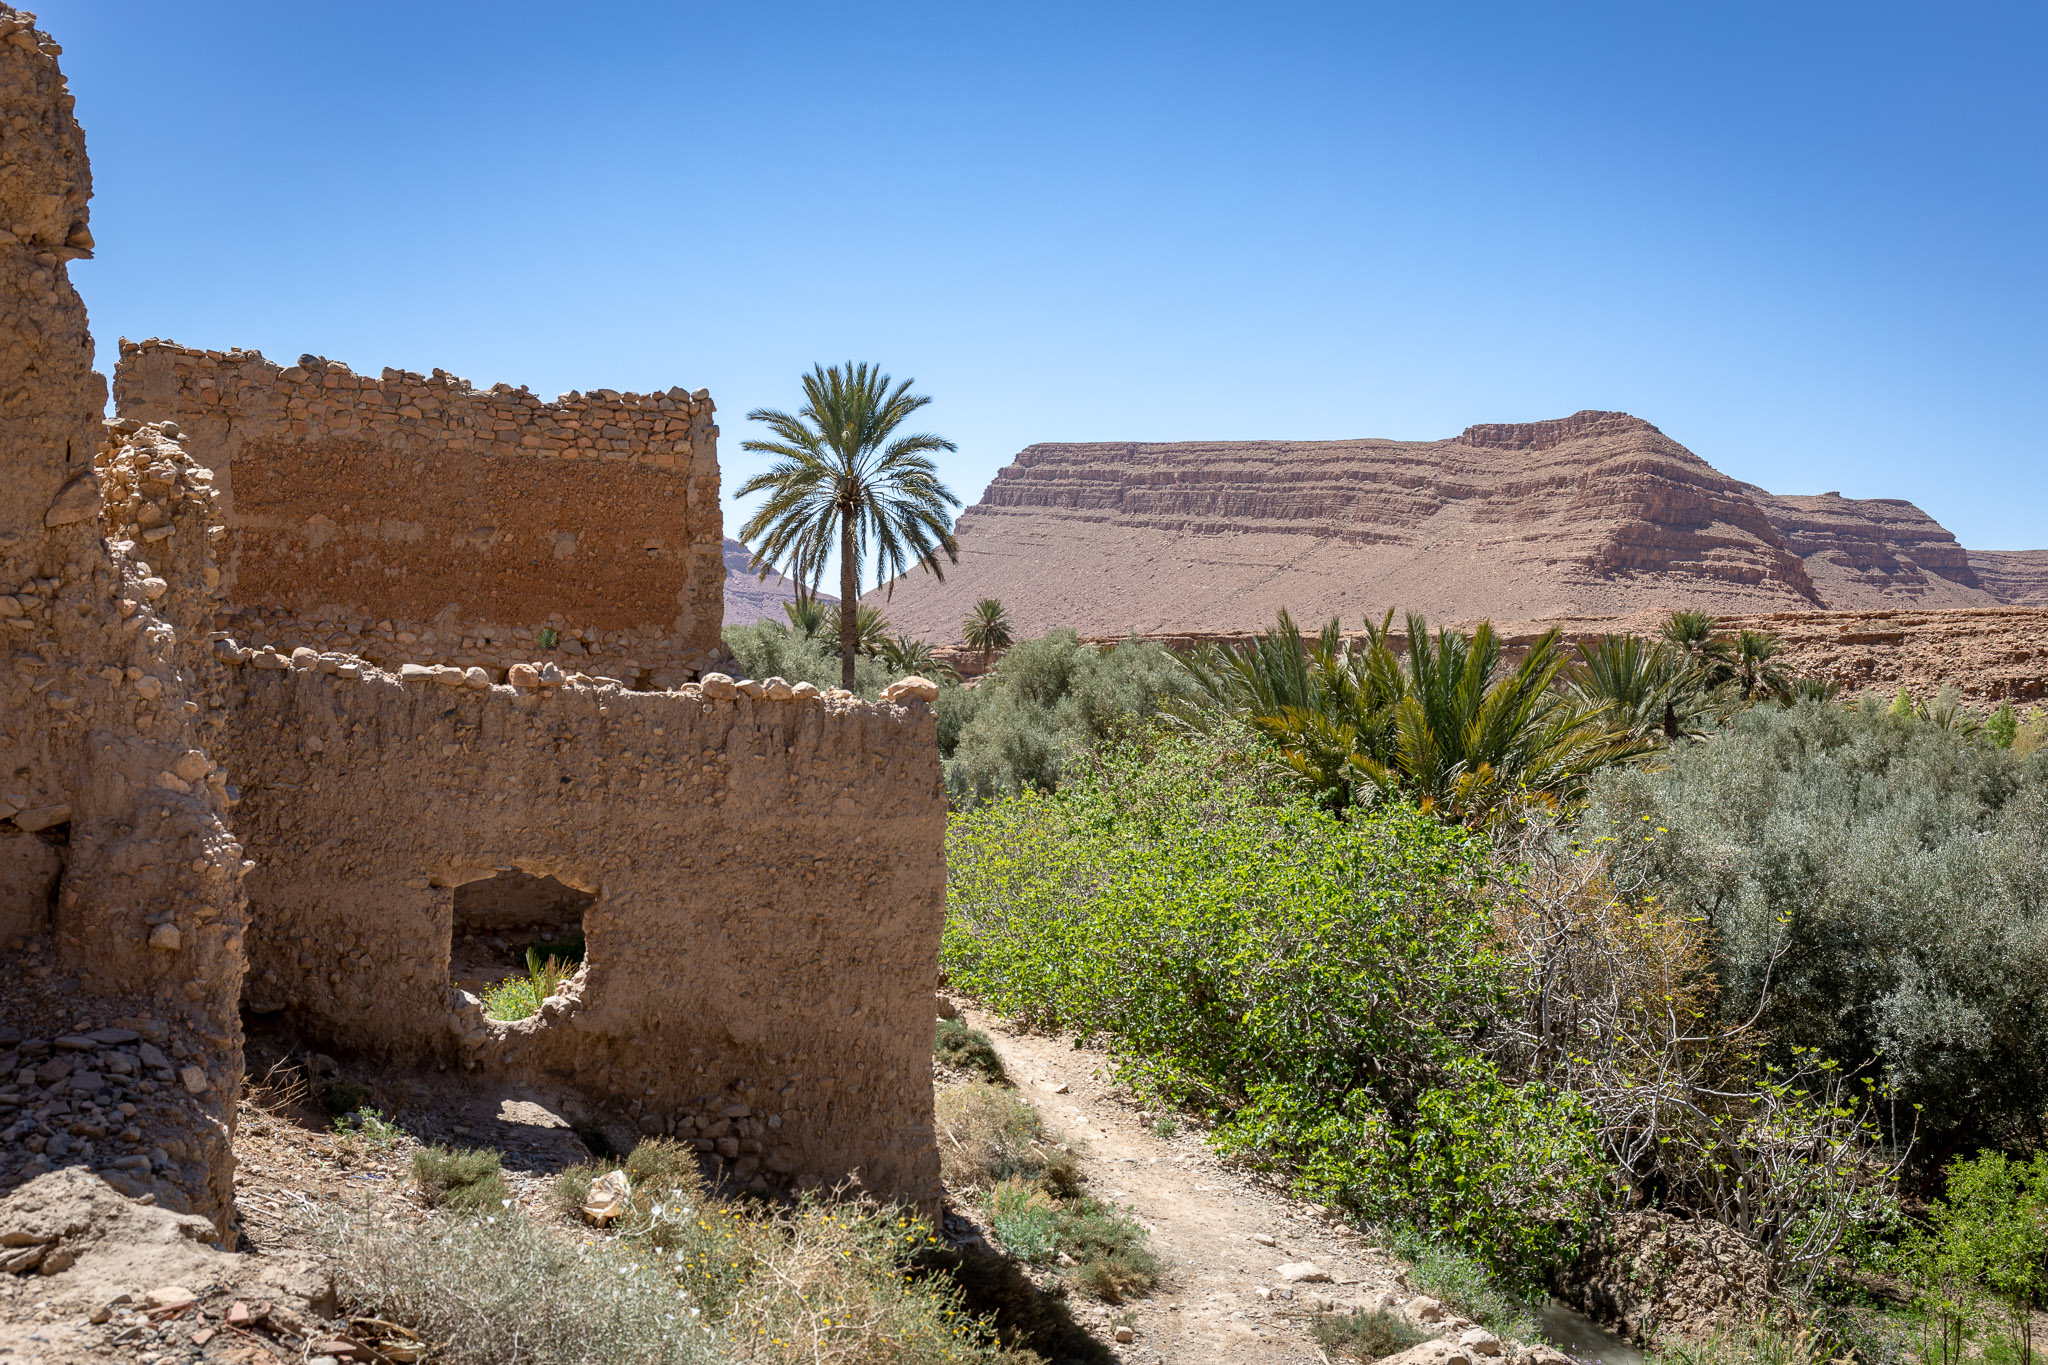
column 1223, row 1236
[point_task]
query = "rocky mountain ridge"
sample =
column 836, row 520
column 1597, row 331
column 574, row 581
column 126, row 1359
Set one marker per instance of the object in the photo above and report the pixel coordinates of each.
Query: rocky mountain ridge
column 1599, row 513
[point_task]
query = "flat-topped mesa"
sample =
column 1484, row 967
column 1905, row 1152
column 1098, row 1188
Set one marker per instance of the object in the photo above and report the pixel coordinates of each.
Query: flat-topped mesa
column 417, row 519
column 1595, row 513
column 1872, row 552
column 1554, row 432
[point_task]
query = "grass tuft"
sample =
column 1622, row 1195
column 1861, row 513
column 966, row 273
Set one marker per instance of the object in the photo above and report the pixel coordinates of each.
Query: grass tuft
column 520, row 997
column 966, row 1049
column 1364, row 1336
column 461, row 1180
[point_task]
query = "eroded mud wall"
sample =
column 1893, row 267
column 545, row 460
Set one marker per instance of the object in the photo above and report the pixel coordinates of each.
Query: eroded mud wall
column 414, row 519
column 122, row 913
column 769, row 892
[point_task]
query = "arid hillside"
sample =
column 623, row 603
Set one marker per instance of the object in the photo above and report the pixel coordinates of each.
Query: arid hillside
column 1596, row 514
column 749, row 597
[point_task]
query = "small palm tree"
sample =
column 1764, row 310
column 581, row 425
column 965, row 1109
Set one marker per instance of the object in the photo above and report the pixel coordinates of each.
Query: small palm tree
column 906, row 656
column 987, row 629
column 870, row 631
column 1647, row 683
column 807, row 616
column 843, row 480
column 1757, row 677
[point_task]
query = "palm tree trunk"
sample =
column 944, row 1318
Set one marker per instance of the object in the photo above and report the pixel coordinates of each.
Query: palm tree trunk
column 849, row 610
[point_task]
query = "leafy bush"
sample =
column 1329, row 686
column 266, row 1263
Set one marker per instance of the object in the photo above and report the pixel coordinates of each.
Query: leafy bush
column 767, row 649
column 966, row 1049
column 1314, row 982
column 461, row 1180
column 1046, row 704
column 1878, row 886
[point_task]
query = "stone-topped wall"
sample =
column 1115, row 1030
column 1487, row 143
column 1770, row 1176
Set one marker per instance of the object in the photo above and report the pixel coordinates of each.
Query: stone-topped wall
column 414, row 519
column 768, row 879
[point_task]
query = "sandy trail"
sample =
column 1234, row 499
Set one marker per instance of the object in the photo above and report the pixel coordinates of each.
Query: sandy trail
column 1205, row 1221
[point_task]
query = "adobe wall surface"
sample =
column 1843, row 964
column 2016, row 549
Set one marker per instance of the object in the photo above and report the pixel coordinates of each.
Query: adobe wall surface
column 121, row 914
column 769, row 893
column 414, row 519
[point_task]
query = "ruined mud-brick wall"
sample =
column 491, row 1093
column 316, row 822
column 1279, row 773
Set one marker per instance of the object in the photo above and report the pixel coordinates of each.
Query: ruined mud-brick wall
column 769, row 893
column 414, row 519
column 121, row 914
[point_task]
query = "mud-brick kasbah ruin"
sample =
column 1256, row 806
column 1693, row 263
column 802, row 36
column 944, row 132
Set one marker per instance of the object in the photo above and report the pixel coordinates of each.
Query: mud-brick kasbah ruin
column 311, row 679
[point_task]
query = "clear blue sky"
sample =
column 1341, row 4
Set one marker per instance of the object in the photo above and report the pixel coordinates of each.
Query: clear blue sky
column 1806, row 240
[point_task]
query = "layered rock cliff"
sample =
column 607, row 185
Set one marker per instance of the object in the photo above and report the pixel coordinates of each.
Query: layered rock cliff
column 1599, row 513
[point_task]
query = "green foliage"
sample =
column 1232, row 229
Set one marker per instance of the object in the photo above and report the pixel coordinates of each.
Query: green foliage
column 842, row 481
column 768, row 650
column 1986, row 1242
column 520, row 997
column 870, row 632
column 461, row 1180
column 966, row 1049
column 1112, row 1260
column 1364, row 1337
column 1879, row 886
column 1032, row 722
column 1452, row 727
column 903, row 656
column 1165, row 1126
column 1650, row 690
column 2003, row 728
column 368, row 1128
column 987, row 629
column 1313, row 982
column 1462, row 1282
column 808, row 616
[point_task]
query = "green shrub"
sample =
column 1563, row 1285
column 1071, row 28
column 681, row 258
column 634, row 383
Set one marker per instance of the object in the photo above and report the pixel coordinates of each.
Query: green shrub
column 1364, row 1336
column 966, row 1049
column 1046, row 704
column 1024, row 1220
column 520, row 997
column 770, row 650
column 1887, row 876
column 1313, row 982
column 369, row 1128
column 1462, row 1282
column 461, row 1180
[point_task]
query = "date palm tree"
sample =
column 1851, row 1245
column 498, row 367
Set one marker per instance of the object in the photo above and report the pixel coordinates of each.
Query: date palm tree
column 843, row 480
column 987, row 629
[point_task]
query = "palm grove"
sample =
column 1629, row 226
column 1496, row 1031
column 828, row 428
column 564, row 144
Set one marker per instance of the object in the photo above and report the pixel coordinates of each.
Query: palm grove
column 1496, row 946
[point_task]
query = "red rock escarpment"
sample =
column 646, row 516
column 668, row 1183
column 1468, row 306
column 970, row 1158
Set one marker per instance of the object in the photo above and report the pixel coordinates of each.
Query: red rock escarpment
column 1595, row 514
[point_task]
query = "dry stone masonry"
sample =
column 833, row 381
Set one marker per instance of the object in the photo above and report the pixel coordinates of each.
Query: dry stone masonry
column 414, row 519
column 315, row 689
column 121, row 910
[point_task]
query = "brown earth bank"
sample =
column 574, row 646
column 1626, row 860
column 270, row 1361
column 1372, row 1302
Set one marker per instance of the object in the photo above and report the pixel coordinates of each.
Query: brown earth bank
column 1591, row 515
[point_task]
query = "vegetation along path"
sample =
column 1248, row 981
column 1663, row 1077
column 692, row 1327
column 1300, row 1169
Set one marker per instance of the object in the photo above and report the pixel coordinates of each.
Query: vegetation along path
column 1223, row 1235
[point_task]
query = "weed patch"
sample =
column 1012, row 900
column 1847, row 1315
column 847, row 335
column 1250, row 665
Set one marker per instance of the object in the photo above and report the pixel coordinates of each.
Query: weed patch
column 368, row 1130
column 966, row 1049
column 1462, row 1282
column 988, row 1135
column 461, row 1180
column 520, row 997
column 1363, row 1336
